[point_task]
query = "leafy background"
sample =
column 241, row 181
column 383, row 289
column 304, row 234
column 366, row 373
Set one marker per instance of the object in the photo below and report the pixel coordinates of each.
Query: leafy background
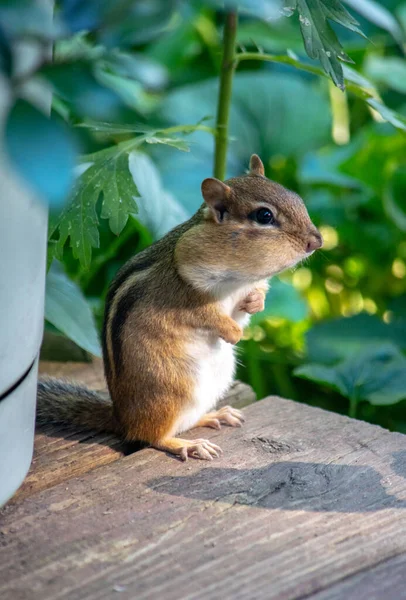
column 134, row 99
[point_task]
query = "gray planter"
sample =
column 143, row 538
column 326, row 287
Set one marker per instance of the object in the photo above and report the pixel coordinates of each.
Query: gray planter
column 23, row 236
column 23, row 244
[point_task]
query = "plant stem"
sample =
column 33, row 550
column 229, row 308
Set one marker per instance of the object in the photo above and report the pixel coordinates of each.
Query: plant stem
column 224, row 100
column 353, row 407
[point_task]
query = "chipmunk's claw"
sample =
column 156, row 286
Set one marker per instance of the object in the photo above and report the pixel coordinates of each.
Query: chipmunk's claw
column 224, row 416
column 202, row 449
column 253, row 303
column 230, row 416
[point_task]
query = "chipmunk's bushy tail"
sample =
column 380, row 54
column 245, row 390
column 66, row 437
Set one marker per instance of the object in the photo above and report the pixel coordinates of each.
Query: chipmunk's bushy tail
column 59, row 401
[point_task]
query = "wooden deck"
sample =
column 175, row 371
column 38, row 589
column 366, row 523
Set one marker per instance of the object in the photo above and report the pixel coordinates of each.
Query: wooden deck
column 303, row 504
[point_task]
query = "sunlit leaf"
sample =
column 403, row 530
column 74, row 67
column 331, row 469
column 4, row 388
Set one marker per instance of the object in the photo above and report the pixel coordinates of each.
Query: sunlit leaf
column 282, row 301
column 107, row 174
column 168, row 141
column 376, row 374
column 393, row 117
column 158, row 209
column 334, row 340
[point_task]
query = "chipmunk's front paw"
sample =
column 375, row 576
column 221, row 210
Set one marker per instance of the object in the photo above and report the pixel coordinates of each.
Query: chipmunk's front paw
column 232, row 334
column 253, row 303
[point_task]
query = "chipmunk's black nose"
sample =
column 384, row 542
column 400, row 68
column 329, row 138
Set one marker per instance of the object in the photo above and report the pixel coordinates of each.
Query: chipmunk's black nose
column 314, row 241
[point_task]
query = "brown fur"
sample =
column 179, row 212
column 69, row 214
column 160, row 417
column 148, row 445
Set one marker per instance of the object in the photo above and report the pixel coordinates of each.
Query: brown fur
column 167, row 292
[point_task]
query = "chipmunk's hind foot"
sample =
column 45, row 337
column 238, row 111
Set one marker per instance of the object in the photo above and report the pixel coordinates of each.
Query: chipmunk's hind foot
column 202, row 449
column 224, row 416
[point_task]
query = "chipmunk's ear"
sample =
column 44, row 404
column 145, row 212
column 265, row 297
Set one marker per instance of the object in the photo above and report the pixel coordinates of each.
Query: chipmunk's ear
column 215, row 194
column 256, row 165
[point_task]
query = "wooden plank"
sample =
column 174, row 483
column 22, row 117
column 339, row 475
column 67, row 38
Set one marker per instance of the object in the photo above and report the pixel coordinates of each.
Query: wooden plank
column 385, row 581
column 90, row 374
column 61, row 452
column 300, row 500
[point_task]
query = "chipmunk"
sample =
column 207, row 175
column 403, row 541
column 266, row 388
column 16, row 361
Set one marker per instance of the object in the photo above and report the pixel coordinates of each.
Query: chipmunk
column 175, row 311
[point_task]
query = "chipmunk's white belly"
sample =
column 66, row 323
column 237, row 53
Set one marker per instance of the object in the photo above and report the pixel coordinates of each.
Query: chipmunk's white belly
column 214, row 362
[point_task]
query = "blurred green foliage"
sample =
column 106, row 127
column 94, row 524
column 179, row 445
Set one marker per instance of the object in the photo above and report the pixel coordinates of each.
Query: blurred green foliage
column 135, row 83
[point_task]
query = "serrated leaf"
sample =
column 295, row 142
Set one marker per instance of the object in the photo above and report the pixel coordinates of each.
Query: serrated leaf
column 119, row 191
column 114, row 128
column 174, row 142
column 319, row 38
column 288, row 7
column 105, row 172
column 108, row 174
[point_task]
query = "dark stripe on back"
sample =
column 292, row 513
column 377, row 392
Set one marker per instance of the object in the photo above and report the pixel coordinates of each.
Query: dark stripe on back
column 145, row 259
column 140, row 263
column 124, row 307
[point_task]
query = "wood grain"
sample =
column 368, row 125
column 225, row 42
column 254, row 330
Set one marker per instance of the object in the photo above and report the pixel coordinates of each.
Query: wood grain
column 61, row 452
column 302, row 502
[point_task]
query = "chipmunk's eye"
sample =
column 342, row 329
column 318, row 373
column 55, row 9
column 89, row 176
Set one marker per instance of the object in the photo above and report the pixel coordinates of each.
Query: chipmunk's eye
column 263, row 216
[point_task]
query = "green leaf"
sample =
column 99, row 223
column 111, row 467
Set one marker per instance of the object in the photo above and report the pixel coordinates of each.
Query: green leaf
column 105, row 172
column 282, row 301
column 359, row 85
column 394, row 199
column 319, row 38
column 134, row 23
column 29, row 20
column 42, row 149
column 78, row 85
column 130, row 91
column 158, row 210
column 380, row 16
column 138, row 66
column 324, row 167
column 108, row 173
column 119, row 193
column 391, row 71
column 294, row 128
column 168, row 141
column 334, row 340
column 113, row 128
column 377, row 374
column 67, row 309
column 396, row 119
